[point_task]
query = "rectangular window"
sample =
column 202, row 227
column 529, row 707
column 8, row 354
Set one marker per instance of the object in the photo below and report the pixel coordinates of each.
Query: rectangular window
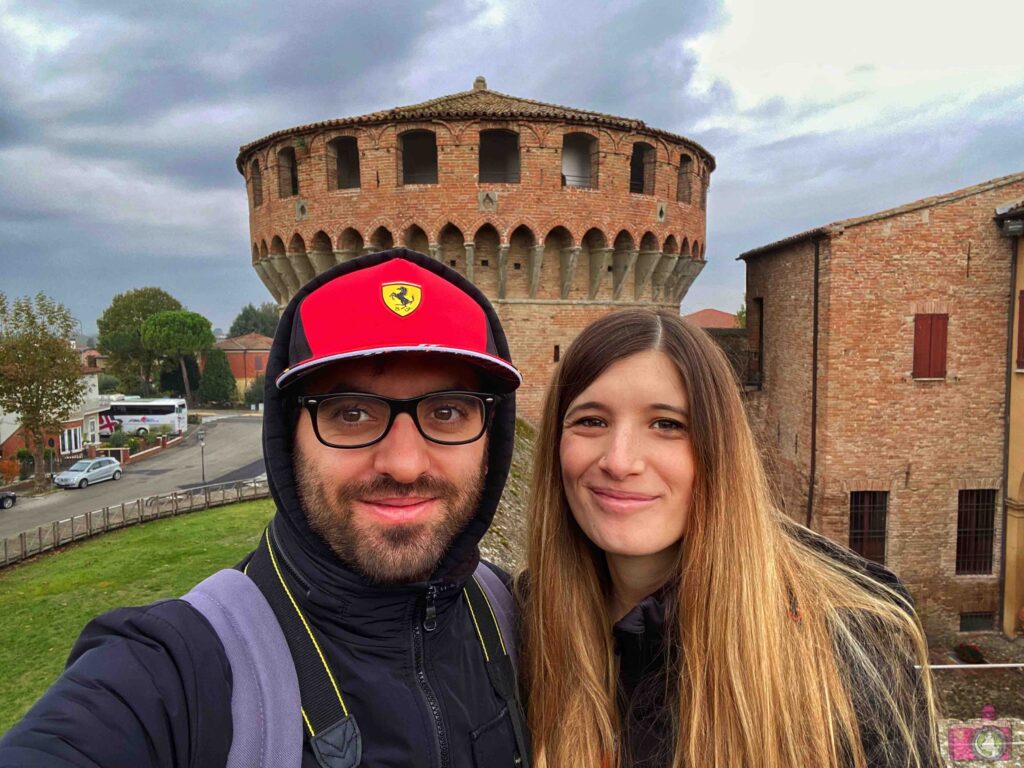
column 978, row 621
column 930, row 346
column 868, row 510
column 258, row 364
column 975, row 531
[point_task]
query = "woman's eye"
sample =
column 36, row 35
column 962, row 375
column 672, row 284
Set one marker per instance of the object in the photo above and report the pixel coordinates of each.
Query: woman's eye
column 587, row 421
column 668, row 424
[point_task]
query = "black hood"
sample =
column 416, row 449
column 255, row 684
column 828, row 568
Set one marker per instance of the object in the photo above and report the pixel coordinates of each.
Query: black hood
column 281, row 415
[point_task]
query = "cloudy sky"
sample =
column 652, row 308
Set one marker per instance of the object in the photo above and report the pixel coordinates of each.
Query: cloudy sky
column 120, row 121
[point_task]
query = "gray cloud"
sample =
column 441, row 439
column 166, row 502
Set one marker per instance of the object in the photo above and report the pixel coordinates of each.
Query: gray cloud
column 119, row 125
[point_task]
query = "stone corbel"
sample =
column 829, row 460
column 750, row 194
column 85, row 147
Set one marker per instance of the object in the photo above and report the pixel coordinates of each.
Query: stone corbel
column 567, row 272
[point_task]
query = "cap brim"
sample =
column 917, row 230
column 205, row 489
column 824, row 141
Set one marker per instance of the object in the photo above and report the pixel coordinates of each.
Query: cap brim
column 504, row 377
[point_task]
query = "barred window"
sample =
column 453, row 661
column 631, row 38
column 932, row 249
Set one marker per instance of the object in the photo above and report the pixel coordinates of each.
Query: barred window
column 975, row 531
column 977, row 621
column 868, row 510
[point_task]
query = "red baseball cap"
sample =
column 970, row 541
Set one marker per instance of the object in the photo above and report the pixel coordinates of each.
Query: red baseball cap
column 395, row 306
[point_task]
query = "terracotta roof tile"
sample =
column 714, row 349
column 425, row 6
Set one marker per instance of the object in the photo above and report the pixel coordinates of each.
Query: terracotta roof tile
column 480, row 103
column 712, row 318
column 249, row 341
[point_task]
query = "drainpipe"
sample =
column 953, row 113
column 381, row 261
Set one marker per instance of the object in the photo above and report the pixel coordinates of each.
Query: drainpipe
column 1010, row 366
column 814, row 386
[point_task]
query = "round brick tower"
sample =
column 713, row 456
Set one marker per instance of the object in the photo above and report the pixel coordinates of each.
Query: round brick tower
column 558, row 215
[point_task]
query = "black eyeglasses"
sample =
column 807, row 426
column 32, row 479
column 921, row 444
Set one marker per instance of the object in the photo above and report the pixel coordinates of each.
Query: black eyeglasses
column 357, row 419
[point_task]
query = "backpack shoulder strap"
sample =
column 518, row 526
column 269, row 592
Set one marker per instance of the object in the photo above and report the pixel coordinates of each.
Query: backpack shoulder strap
column 493, row 613
column 265, row 708
column 499, row 599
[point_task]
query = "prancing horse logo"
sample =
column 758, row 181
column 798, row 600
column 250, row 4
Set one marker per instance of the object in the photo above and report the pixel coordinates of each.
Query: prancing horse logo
column 401, row 298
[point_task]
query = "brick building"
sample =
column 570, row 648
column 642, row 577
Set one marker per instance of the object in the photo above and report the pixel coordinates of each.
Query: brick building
column 889, row 393
column 558, row 215
column 247, row 356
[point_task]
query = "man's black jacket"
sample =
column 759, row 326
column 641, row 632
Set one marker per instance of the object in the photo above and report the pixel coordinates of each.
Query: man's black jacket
column 152, row 687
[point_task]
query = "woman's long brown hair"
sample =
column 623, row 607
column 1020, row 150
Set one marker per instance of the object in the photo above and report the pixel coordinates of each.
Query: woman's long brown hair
column 785, row 657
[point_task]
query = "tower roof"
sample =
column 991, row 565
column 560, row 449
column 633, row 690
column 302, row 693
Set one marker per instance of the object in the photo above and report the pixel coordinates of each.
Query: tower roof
column 481, row 103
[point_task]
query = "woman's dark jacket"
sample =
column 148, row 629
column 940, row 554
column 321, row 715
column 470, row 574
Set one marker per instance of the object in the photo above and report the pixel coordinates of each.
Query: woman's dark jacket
column 647, row 738
column 151, row 686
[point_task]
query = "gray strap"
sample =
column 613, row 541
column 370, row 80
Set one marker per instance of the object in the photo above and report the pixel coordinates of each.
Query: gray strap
column 500, row 599
column 265, row 704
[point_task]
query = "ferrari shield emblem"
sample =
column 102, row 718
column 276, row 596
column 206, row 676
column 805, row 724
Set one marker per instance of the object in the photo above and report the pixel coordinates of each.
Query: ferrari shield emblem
column 401, row 298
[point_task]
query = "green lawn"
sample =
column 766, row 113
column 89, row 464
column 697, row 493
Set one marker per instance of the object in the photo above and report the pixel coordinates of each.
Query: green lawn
column 45, row 602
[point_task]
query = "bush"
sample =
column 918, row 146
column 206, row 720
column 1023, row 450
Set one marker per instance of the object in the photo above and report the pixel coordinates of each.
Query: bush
column 118, row 440
column 254, row 392
column 23, row 454
column 195, row 418
column 133, row 445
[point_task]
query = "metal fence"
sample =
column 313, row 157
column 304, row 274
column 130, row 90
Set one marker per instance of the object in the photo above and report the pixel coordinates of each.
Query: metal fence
column 51, row 536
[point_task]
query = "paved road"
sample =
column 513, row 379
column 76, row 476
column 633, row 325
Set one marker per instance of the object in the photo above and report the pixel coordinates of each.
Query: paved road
column 233, row 452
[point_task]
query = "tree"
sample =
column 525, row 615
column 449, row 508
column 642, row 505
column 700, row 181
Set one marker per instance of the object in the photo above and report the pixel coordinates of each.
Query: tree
column 218, row 383
column 39, row 370
column 170, row 378
column 175, row 335
column 261, row 319
column 741, row 316
column 120, row 338
column 254, row 393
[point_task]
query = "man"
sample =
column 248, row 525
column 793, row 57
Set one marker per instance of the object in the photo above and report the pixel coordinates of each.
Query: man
column 387, row 436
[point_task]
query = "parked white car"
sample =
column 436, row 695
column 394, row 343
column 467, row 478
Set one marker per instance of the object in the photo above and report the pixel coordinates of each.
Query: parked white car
column 88, row 471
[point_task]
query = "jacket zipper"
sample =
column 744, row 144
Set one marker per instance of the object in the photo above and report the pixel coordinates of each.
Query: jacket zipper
column 429, row 624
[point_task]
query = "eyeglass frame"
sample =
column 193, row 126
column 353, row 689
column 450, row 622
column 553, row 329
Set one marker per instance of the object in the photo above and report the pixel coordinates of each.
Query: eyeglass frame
column 396, row 407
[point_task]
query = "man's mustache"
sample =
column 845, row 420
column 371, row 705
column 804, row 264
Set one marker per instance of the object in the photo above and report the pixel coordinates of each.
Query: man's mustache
column 384, row 485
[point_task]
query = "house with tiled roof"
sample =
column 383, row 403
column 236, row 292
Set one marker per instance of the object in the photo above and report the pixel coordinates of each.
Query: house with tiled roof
column 890, row 393
column 247, row 356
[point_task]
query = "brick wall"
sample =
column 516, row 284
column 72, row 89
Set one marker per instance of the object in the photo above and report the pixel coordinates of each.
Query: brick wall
column 533, row 226
column 879, row 428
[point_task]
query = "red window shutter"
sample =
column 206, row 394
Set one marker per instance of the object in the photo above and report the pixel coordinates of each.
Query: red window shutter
column 937, row 358
column 922, row 344
column 1020, row 331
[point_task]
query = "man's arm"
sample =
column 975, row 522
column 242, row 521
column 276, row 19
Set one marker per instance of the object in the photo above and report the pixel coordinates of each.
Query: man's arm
column 143, row 687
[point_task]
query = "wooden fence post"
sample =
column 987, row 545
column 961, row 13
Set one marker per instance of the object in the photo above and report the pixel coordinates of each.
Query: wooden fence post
column 56, row 534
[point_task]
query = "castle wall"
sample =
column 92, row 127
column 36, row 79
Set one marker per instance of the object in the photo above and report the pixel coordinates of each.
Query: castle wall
column 550, row 256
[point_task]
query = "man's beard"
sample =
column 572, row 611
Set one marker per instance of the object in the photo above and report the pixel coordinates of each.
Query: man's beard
column 387, row 553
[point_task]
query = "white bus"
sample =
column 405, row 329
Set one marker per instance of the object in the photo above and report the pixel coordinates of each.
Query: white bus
column 141, row 416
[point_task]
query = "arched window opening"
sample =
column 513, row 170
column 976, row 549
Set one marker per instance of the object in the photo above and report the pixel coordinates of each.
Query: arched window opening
column 452, row 244
column 343, row 163
column 287, row 173
column 381, row 239
column 417, row 158
column 705, row 180
column 579, row 161
column 416, row 239
column 499, row 156
column 350, row 243
column 683, row 188
column 256, row 179
column 641, row 169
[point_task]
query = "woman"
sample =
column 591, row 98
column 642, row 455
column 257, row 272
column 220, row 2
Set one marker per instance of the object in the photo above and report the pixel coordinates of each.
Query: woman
column 674, row 616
